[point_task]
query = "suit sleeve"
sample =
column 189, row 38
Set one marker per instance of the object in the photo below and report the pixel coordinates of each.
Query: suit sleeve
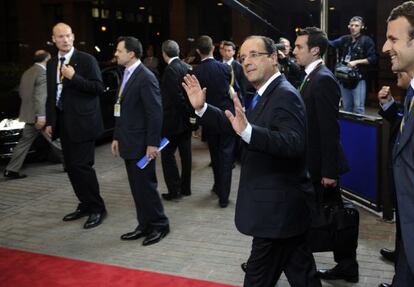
column 391, row 114
column 40, row 95
column 151, row 99
column 326, row 101
column 216, row 119
column 285, row 133
column 90, row 80
column 51, row 96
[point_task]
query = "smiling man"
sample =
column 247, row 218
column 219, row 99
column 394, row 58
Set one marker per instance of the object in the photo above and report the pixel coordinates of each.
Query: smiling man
column 274, row 188
column 400, row 47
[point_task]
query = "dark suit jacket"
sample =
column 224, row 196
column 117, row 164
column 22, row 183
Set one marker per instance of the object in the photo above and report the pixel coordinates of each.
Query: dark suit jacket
column 241, row 79
column 273, row 188
column 176, row 106
column 403, row 168
column 321, row 94
column 80, row 96
column 215, row 76
column 140, row 122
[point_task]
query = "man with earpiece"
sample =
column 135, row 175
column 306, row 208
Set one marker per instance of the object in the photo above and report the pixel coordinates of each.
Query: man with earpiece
column 356, row 51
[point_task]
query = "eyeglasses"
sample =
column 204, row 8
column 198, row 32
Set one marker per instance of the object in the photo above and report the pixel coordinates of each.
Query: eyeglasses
column 253, row 55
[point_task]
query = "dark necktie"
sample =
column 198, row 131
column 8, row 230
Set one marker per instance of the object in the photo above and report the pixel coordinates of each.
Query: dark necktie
column 408, row 105
column 59, row 101
column 62, row 61
column 255, row 99
column 409, row 97
column 302, row 84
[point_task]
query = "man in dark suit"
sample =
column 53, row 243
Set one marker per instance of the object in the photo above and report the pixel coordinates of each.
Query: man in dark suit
column 326, row 160
column 384, row 96
column 33, row 94
column 138, row 114
column 238, row 79
column 399, row 46
column 274, row 187
column 74, row 84
column 215, row 76
column 177, row 124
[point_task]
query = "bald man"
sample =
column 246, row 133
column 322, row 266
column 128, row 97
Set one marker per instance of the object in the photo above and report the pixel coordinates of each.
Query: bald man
column 74, row 84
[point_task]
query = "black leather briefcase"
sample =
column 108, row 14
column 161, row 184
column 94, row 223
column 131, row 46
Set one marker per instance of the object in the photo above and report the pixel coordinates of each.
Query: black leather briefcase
column 334, row 226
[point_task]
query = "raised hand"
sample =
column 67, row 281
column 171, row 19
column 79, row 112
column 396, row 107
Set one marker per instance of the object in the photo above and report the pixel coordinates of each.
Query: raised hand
column 196, row 95
column 384, row 95
column 328, row 182
column 68, row 71
column 238, row 121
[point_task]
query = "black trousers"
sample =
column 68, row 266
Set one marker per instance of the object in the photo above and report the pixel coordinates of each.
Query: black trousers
column 149, row 208
column 270, row 257
column 79, row 159
column 221, row 148
column 176, row 183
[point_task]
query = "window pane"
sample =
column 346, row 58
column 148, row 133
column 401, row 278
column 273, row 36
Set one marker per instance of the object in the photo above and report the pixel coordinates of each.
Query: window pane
column 95, row 13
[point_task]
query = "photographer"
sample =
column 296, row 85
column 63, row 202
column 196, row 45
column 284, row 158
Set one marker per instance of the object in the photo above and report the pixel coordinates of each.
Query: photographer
column 287, row 63
column 357, row 51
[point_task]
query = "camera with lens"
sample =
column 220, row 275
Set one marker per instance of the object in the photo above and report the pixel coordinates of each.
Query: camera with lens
column 280, row 46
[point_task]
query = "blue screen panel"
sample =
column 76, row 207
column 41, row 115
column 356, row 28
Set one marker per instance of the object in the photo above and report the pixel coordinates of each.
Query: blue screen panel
column 360, row 144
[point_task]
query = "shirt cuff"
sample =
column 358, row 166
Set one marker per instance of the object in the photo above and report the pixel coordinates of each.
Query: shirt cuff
column 246, row 135
column 387, row 104
column 201, row 112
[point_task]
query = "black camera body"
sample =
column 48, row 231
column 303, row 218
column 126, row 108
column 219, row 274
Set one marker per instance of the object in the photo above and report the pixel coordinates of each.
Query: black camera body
column 280, row 46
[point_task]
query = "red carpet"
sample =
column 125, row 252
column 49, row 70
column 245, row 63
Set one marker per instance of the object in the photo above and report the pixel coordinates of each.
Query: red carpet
column 27, row 269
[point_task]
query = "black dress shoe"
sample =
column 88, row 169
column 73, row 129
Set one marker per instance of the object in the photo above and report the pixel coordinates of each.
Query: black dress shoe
column 337, row 273
column 388, row 254
column 244, row 266
column 134, row 235
column 223, row 204
column 78, row 213
column 385, row 285
column 13, row 175
column 171, row 196
column 155, row 236
column 94, row 219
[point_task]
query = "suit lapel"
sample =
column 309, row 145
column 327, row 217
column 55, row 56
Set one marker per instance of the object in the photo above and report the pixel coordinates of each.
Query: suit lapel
column 74, row 60
column 53, row 75
column 130, row 81
column 308, row 79
column 406, row 133
column 264, row 98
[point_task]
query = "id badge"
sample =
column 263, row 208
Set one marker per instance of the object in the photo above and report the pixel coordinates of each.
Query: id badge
column 117, row 110
column 347, row 58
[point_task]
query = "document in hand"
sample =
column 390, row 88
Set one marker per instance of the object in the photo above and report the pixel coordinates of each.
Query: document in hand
column 144, row 161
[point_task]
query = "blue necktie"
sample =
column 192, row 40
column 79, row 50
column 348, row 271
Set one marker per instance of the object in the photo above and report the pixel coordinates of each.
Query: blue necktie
column 255, row 99
column 407, row 106
column 409, row 97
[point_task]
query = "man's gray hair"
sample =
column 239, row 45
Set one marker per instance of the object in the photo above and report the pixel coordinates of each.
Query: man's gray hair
column 171, row 48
